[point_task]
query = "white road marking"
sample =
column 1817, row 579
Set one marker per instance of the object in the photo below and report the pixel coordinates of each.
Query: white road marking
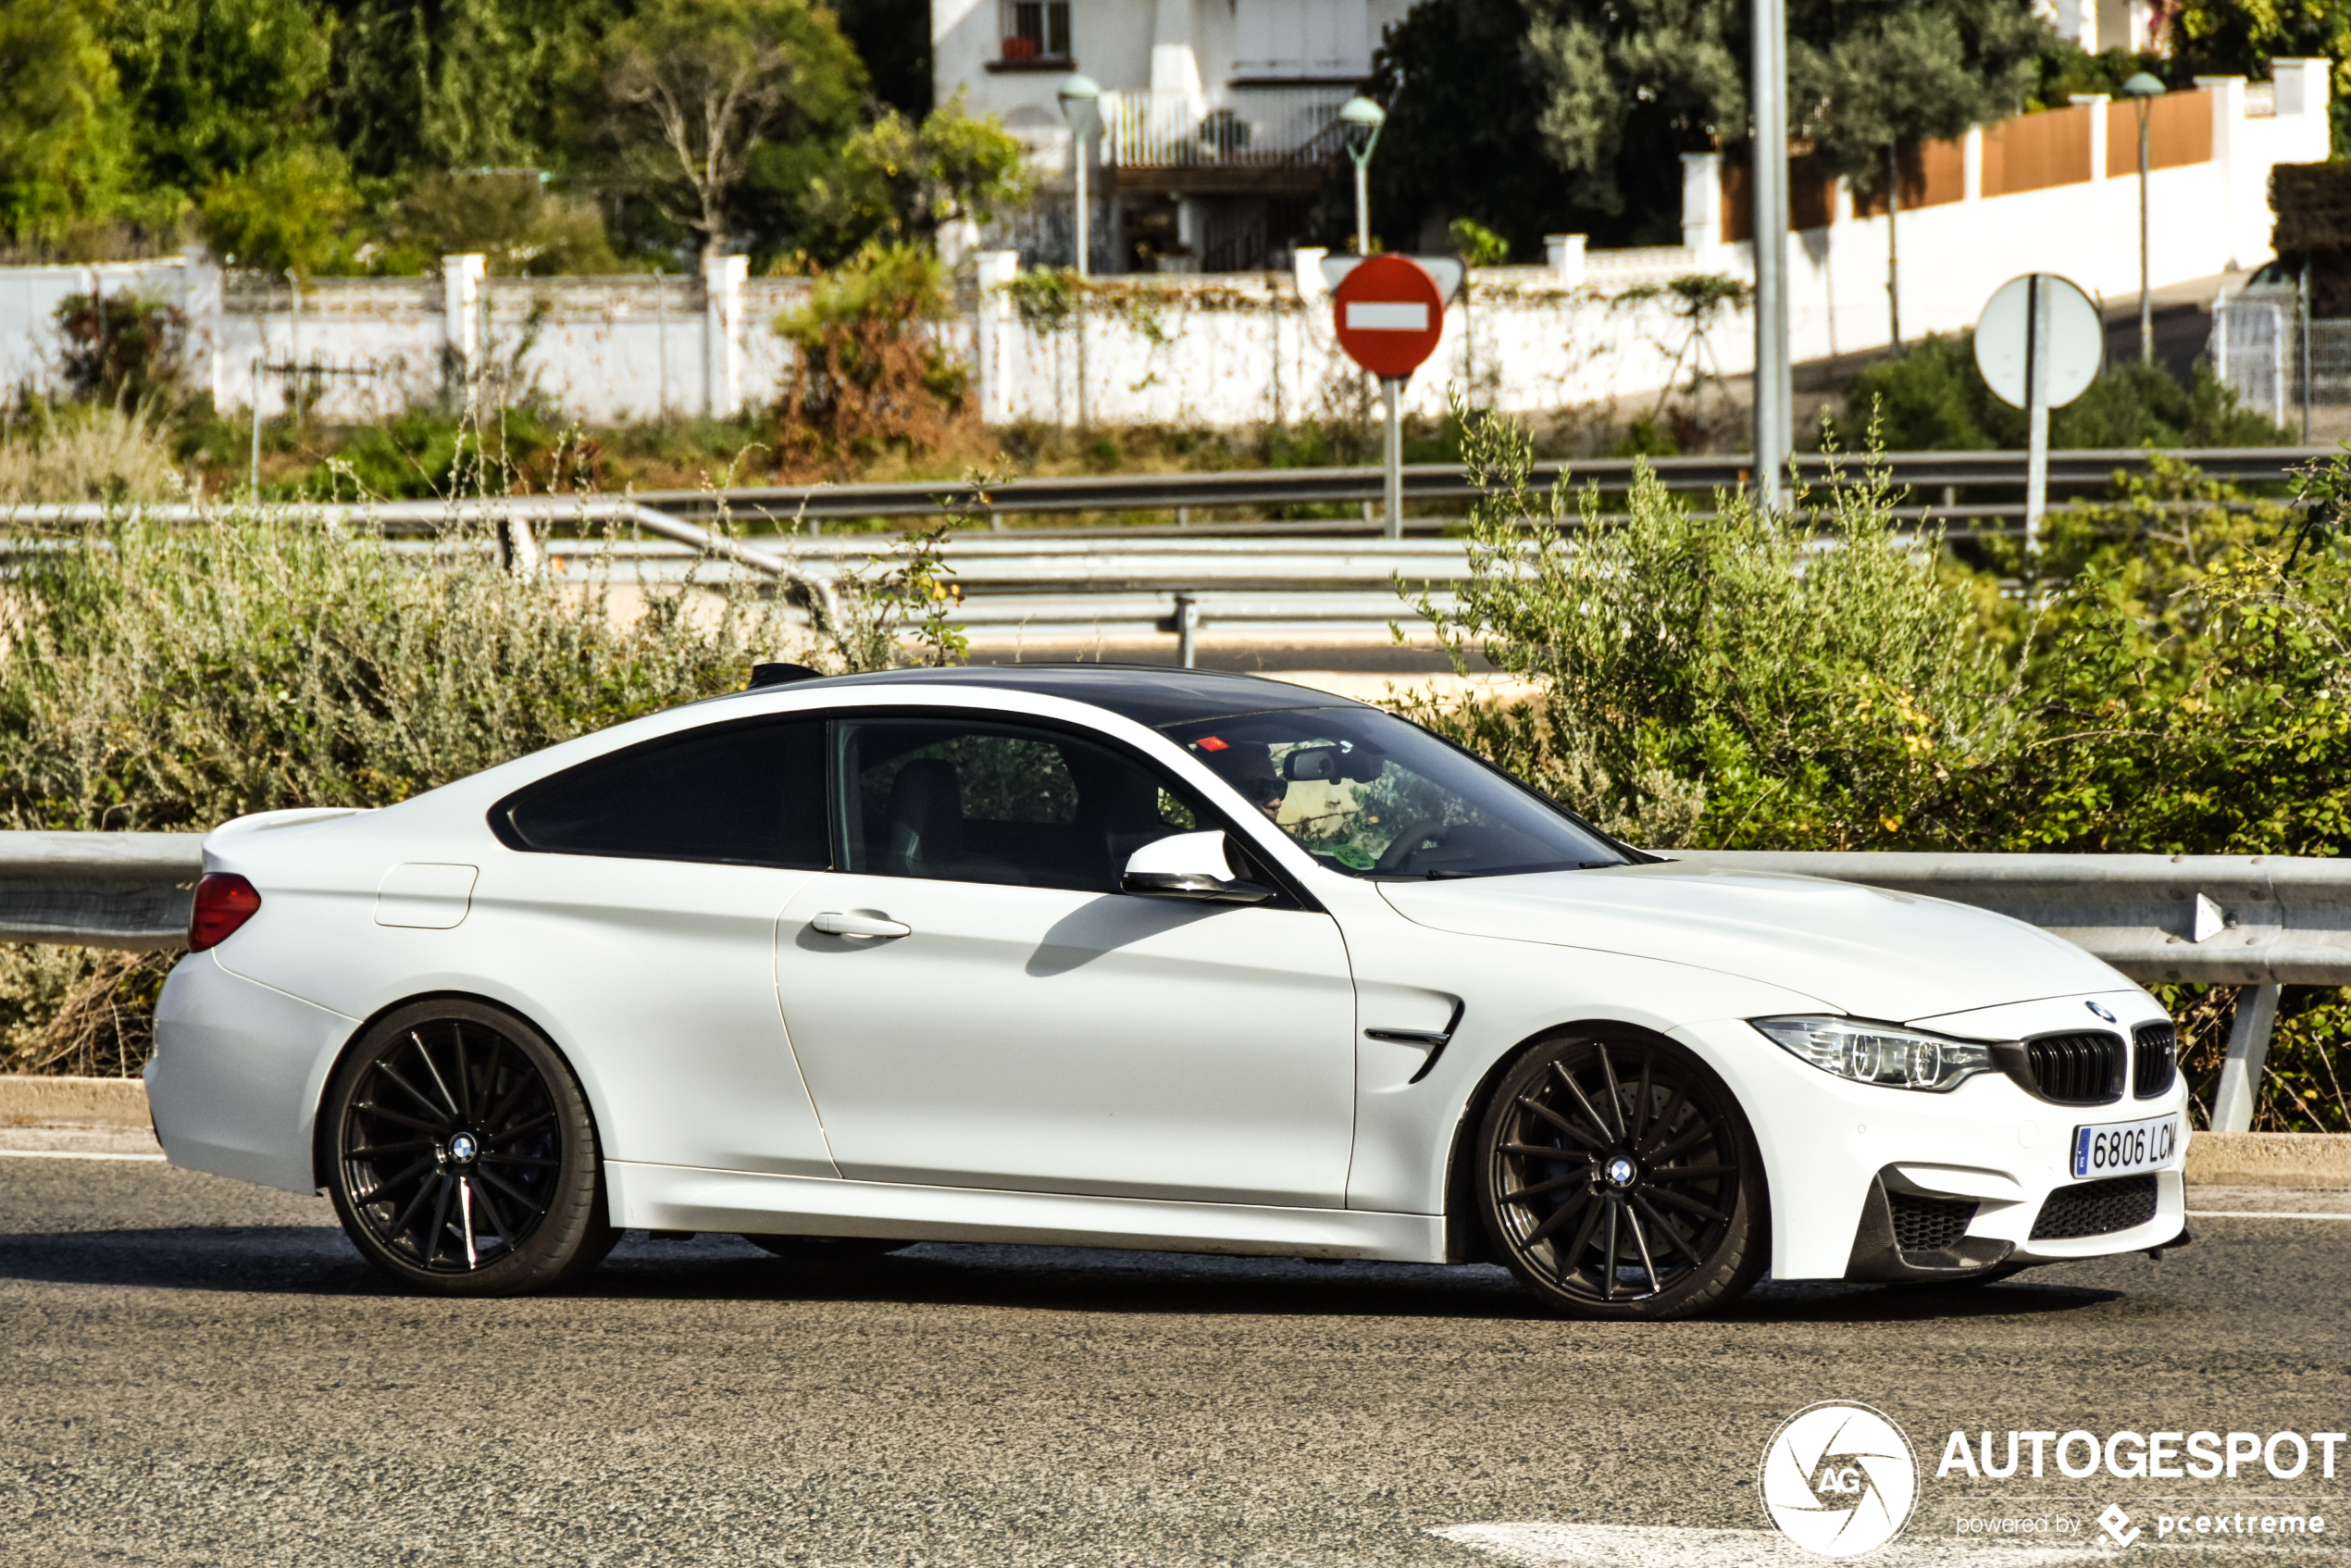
column 76, row 1155
column 1668, row 1546
column 2261, row 1214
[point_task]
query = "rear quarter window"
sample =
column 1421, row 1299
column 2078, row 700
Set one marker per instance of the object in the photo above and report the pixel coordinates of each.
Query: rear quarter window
column 750, row 793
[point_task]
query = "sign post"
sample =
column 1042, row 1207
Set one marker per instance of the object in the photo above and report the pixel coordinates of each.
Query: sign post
column 1389, row 313
column 2039, row 344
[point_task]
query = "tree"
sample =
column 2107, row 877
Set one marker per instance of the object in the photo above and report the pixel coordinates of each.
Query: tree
column 893, row 38
column 213, row 84
column 688, row 88
column 896, row 182
column 1607, row 93
column 1902, row 72
column 287, row 211
column 64, row 141
column 1463, row 104
column 425, row 85
column 2229, row 38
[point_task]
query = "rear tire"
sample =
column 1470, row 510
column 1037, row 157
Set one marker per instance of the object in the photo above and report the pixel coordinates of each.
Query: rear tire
column 464, row 1156
column 1618, row 1178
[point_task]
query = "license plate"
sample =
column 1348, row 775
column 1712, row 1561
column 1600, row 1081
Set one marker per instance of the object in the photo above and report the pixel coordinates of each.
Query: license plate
column 2124, row 1148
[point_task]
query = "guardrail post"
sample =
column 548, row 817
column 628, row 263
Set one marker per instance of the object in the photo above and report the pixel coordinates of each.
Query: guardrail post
column 1187, row 629
column 2248, row 1053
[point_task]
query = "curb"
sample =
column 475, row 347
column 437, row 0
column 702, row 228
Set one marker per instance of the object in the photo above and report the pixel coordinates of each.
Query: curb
column 2269, row 1159
column 27, row 1098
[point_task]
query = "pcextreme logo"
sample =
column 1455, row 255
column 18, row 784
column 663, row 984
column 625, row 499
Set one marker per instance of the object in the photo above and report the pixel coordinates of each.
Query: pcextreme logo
column 1839, row 1480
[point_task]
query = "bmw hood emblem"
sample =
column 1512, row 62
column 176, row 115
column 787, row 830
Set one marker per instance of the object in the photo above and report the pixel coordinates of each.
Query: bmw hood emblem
column 2099, row 1008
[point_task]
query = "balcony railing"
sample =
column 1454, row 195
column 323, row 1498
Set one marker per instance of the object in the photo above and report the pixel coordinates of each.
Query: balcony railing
column 1254, row 128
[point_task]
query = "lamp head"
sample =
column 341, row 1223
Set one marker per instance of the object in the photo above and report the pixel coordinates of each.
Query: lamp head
column 1359, row 121
column 1080, row 98
column 2143, row 86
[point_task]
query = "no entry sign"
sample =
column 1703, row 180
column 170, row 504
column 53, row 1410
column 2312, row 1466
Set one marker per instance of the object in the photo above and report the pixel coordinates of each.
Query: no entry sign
column 1389, row 313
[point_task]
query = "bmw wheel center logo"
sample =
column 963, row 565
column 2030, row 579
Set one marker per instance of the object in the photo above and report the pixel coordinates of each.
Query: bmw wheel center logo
column 1839, row 1480
column 462, row 1148
column 1619, row 1172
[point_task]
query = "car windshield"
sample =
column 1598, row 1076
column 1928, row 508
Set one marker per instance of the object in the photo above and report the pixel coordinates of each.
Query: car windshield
column 1365, row 792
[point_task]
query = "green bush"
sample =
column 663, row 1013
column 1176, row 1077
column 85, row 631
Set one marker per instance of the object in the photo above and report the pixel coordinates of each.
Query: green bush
column 289, row 211
column 1931, row 398
column 1727, row 679
column 171, row 678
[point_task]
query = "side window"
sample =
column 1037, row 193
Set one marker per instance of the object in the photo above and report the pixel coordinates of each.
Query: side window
column 971, row 800
column 750, row 794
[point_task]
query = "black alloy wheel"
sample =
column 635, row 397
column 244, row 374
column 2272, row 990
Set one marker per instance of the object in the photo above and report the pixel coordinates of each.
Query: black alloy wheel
column 465, row 1158
column 1618, row 1179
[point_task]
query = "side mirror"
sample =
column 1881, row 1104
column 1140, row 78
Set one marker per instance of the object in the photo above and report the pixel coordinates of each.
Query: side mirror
column 1189, row 865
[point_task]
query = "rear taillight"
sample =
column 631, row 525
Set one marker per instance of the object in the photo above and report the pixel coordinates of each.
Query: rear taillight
column 224, row 901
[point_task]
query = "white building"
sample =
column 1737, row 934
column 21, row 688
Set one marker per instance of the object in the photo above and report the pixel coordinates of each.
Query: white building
column 1217, row 115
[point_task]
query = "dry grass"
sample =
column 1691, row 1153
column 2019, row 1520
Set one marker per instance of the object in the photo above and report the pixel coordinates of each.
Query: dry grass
column 86, row 453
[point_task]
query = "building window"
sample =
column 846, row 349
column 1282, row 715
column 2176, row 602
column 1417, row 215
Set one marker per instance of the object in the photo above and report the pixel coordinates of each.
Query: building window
column 1310, row 39
column 1035, row 30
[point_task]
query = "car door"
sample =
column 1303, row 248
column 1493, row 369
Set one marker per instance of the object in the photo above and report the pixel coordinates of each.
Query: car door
column 976, row 1005
column 645, row 900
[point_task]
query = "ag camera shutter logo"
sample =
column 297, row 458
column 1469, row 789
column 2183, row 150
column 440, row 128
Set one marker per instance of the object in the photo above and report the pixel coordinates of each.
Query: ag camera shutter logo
column 1839, row 1480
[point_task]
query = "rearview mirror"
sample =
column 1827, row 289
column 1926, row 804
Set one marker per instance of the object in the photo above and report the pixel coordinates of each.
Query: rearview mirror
column 1189, row 865
column 1330, row 763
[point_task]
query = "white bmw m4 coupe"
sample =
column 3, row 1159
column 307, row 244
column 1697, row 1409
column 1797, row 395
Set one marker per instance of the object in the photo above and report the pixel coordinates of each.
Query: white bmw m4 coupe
column 1148, row 958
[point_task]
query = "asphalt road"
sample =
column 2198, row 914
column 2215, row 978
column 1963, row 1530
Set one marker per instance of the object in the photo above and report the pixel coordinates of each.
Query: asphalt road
column 198, row 1372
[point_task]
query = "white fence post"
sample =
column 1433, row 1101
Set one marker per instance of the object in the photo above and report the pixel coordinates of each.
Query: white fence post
column 1563, row 253
column 1701, row 202
column 2227, row 140
column 992, row 271
column 723, row 278
column 200, row 301
column 461, row 312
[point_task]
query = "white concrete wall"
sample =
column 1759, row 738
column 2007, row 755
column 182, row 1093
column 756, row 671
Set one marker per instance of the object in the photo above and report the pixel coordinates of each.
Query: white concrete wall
column 1218, row 350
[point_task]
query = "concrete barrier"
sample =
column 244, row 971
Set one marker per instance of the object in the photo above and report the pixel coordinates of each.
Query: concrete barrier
column 2215, row 1159
column 2269, row 1159
column 26, row 1099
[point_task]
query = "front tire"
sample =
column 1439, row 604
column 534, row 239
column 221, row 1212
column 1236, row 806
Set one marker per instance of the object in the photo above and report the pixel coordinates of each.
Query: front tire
column 1617, row 1178
column 465, row 1158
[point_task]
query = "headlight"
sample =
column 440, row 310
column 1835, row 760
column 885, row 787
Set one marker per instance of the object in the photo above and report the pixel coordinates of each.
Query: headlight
column 1879, row 1053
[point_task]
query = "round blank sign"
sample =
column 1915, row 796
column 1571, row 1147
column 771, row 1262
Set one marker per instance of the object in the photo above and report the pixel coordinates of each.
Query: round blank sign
column 2076, row 345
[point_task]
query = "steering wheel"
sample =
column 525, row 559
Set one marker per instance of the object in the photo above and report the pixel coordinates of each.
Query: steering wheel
column 1406, row 844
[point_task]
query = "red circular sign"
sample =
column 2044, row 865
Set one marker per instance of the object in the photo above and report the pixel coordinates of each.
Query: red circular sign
column 1389, row 313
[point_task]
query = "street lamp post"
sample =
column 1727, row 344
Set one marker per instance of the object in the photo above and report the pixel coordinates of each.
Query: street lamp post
column 2143, row 90
column 1359, row 121
column 1081, row 99
column 1774, row 394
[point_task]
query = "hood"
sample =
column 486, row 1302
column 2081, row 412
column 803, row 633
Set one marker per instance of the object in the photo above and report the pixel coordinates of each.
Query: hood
column 1866, row 951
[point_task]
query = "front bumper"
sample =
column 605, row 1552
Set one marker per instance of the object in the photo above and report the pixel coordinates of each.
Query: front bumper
column 1831, row 1147
column 1889, row 1245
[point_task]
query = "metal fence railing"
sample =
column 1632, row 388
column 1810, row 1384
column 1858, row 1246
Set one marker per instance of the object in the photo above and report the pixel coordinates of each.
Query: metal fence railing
column 2278, row 364
column 1152, row 128
column 2257, row 922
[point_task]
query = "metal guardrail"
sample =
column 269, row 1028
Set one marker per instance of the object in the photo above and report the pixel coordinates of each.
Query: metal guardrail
column 129, row 890
column 1429, row 484
column 2257, row 922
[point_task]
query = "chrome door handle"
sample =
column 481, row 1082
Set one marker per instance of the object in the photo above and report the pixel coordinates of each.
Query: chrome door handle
column 833, row 923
